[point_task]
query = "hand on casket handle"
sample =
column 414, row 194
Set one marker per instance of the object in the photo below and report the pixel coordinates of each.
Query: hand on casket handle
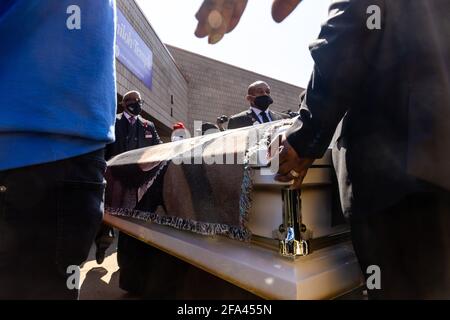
column 291, row 165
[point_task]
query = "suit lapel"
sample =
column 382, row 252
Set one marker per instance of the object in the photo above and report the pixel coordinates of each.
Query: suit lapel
column 273, row 116
column 140, row 132
column 123, row 127
column 121, row 133
column 253, row 116
column 122, row 120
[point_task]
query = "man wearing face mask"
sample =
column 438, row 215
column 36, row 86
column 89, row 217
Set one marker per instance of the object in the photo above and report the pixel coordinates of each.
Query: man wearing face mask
column 132, row 132
column 258, row 96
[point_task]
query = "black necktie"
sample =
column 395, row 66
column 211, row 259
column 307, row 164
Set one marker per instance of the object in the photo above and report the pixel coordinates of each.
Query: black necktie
column 264, row 117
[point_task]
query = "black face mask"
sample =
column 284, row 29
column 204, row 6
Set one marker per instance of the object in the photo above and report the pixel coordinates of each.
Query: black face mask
column 263, row 102
column 135, row 108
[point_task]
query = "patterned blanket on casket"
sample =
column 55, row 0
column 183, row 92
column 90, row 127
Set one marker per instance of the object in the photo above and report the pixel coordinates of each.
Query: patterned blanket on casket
column 202, row 184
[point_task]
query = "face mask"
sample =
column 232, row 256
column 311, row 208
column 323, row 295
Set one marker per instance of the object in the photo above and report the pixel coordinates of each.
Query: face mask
column 263, row 102
column 135, row 108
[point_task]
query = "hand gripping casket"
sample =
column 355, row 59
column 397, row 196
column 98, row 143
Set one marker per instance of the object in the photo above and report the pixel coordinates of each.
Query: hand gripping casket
column 213, row 201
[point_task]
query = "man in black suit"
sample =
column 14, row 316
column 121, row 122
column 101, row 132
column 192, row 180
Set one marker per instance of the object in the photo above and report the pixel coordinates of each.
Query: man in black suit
column 132, row 132
column 259, row 98
column 392, row 84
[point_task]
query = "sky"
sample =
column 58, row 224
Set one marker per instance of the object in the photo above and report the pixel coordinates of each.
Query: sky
column 257, row 44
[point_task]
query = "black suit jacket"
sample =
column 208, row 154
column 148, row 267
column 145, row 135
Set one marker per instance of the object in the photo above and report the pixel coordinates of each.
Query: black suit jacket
column 131, row 176
column 393, row 85
column 248, row 118
column 146, row 136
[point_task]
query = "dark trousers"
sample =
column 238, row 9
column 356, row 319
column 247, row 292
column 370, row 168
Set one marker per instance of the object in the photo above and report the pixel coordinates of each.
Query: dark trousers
column 410, row 242
column 156, row 275
column 148, row 272
column 104, row 239
column 49, row 215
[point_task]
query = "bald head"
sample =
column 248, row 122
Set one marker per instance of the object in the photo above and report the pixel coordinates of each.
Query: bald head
column 258, row 87
column 132, row 103
column 131, row 95
column 258, row 95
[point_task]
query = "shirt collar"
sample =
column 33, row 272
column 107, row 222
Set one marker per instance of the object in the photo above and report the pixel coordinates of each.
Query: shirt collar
column 258, row 111
column 128, row 116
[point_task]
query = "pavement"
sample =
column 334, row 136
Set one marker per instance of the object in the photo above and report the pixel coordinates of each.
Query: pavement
column 101, row 282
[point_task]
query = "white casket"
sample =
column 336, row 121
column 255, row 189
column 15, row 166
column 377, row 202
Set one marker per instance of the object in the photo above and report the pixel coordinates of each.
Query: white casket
column 300, row 247
column 319, row 216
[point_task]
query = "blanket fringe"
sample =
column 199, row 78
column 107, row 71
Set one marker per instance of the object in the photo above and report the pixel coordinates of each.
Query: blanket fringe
column 204, row 228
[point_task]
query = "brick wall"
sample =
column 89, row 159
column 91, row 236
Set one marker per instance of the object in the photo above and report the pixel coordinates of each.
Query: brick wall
column 167, row 78
column 202, row 88
column 217, row 88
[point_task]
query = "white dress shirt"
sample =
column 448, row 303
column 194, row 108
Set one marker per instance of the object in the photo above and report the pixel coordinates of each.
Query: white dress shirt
column 129, row 116
column 258, row 113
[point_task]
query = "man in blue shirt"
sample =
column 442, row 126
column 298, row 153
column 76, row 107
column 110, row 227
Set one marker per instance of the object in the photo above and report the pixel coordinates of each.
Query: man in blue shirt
column 57, row 83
